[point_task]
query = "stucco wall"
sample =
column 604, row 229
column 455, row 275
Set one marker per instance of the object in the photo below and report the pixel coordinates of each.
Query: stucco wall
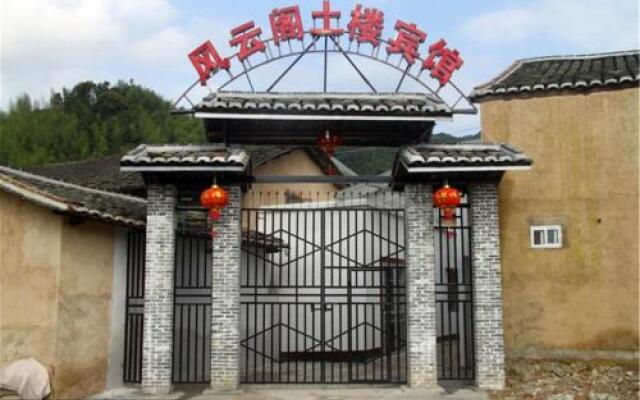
column 585, row 177
column 295, row 163
column 56, row 283
column 83, row 312
column 30, row 239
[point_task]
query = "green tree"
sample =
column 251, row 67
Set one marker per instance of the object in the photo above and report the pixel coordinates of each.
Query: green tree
column 90, row 120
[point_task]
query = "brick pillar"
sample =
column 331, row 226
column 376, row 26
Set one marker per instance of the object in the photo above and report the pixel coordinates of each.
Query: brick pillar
column 487, row 286
column 421, row 298
column 225, row 293
column 158, row 290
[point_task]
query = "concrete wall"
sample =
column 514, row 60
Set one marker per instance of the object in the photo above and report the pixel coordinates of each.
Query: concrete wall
column 585, row 178
column 56, row 281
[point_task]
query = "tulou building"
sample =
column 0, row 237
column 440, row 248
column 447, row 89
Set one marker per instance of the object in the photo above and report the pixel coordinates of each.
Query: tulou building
column 256, row 257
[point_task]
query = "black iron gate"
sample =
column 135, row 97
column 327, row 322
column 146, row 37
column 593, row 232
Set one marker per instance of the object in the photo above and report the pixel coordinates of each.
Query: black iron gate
column 323, row 295
column 132, row 363
column 454, row 308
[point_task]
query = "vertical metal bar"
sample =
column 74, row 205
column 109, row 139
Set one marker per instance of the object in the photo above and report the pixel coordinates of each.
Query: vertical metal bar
column 264, row 338
column 349, row 300
column 325, row 63
column 322, row 283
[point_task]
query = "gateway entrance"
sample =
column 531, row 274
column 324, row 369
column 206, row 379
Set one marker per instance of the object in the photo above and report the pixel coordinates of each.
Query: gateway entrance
column 323, row 295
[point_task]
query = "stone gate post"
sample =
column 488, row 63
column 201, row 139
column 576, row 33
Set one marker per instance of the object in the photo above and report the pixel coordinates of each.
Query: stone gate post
column 157, row 339
column 487, row 286
column 421, row 297
column 225, row 292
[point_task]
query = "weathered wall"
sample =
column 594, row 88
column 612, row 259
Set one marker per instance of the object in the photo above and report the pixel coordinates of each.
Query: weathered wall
column 295, row 163
column 29, row 274
column 55, row 282
column 585, row 177
column 85, row 283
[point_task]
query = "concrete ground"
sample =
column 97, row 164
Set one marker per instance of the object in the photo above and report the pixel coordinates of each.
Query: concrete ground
column 306, row 393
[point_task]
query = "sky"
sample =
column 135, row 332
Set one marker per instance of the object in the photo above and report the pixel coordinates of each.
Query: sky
column 50, row 44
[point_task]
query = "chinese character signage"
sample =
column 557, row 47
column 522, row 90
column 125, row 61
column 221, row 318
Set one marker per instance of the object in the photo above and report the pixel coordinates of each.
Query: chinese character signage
column 364, row 26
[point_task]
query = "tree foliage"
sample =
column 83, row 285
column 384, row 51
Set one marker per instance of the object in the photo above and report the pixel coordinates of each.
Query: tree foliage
column 88, row 121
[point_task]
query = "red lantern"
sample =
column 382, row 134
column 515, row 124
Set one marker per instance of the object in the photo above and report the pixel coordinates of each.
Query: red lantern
column 214, row 199
column 447, row 199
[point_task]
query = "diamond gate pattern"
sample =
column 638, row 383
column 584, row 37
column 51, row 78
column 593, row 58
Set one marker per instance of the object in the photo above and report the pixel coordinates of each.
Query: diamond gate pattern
column 323, row 295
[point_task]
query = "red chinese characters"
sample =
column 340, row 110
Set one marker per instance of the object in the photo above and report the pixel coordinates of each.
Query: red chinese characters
column 326, row 14
column 442, row 61
column 206, row 60
column 247, row 36
column 366, row 25
column 286, row 24
column 407, row 41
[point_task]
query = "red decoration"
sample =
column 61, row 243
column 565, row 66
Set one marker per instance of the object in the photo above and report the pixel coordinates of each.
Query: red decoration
column 447, row 61
column 326, row 14
column 366, row 26
column 247, row 37
column 286, row 24
column 206, row 60
column 214, row 199
column 447, row 199
column 329, row 143
column 407, row 41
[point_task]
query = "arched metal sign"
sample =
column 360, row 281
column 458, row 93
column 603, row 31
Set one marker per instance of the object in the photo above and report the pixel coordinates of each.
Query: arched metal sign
column 432, row 70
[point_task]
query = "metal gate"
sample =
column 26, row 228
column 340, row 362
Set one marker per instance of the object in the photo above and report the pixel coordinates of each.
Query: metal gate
column 454, row 308
column 323, row 295
column 132, row 362
column 192, row 307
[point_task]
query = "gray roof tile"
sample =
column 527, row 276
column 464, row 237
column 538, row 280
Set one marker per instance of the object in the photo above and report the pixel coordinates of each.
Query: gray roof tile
column 405, row 104
column 211, row 156
column 564, row 73
column 434, row 157
column 74, row 199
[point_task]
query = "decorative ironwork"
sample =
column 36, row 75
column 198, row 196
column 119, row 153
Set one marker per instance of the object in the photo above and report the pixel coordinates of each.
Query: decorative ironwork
column 309, row 44
column 330, row 306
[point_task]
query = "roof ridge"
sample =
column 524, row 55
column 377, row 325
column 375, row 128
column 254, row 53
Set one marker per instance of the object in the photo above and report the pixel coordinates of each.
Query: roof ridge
column 579, row 56
column 28, row 175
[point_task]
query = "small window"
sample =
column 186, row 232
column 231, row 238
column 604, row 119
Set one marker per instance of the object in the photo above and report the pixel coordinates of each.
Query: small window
column 546, row 237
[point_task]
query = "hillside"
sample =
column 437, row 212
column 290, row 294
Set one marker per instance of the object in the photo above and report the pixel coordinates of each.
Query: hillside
column 375, row 160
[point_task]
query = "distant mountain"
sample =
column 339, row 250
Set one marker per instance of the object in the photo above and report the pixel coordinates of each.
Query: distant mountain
column 375, row 160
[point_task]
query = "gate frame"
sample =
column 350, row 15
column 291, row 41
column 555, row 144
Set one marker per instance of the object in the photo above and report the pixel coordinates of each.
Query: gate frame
column 329, row 210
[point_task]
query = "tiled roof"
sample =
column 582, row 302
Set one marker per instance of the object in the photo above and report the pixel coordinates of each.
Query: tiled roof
column 209, row 157
column 534, row 75
column 74, row 199
column 462, row 157
column 401, row 104
column 102, row 173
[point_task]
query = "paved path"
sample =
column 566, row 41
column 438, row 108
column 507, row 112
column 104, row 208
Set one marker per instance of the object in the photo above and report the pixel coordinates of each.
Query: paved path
column 252, row 393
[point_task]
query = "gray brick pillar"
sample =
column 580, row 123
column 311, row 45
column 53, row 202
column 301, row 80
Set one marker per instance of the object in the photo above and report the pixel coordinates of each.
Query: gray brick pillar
column 225, row 293
column 421, row 298
column 158, row 290
column 487, row 286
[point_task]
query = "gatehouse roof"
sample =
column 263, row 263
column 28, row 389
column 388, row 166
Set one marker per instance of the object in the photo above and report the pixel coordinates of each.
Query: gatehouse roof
column 200, row 157
column 431, row 158
column 323, row 105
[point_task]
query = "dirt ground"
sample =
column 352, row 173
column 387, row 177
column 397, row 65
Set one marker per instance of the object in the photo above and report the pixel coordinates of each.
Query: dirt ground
column 579, row 380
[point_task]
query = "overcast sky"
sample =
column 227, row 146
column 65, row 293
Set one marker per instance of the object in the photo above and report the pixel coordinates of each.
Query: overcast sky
column 48, row 44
